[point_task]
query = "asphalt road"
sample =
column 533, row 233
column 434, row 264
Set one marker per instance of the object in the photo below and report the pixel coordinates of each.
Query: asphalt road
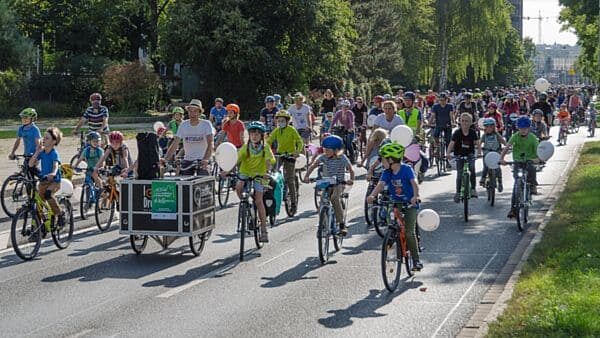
column 99, row 287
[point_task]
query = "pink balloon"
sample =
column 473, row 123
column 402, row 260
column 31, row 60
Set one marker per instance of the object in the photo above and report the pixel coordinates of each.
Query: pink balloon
column 313, row 149
column 413, row 152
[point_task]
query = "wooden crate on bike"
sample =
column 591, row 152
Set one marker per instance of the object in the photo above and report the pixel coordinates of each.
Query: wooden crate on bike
column 190, row 207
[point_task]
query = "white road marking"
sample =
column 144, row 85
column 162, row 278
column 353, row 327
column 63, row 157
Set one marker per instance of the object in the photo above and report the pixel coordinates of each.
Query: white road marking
column 274, row 258
column 81, row 334
column 195, row 282
column 5, row 238
column 463, row 296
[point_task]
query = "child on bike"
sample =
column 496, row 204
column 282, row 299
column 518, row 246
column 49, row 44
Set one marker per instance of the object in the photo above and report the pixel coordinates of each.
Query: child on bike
column 463, row 143
column 493, row 112
column 173, row 125
column 50, row 174
column 491, row 140
column 29, row 132
column 401, row 182
column 538, row 126
column 524, row 148
column 92, row 154
column 335, row 164
column 117, row 154
column 256, row 159
column 233, row 127
column 326, row 124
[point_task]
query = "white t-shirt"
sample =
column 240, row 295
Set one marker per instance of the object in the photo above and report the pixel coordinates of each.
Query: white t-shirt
column 382, row 122
column 300, row 117
column 194, row 138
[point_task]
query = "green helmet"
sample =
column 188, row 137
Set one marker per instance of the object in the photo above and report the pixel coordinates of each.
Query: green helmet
column 178, row 110
column 28, row 112
column 283, row 113
column 392, row 150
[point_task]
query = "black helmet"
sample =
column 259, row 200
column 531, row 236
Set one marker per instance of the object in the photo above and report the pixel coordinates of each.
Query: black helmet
column 409, row 96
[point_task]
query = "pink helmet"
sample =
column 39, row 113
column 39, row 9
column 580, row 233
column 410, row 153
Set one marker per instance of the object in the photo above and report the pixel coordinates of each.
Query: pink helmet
column 115, row 136
column 493, row 105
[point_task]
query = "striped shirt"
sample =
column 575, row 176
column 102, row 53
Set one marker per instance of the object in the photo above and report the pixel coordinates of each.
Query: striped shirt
column 334, row 166
column 95, row 119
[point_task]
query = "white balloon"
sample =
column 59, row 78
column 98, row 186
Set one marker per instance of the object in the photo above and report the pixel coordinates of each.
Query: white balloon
column 157, row 125
column 300, row 161
column 371, row 120
column 347, row 187
column 428, row 220
column 545, row 150
column 66, row 188
column 226, row 156
column 541, row 85
column 82, row 165
column 402, row 134
column 492, row 160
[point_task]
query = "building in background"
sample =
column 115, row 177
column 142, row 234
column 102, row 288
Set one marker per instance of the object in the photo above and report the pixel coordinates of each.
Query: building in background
column 557, row 63
column 517, row 16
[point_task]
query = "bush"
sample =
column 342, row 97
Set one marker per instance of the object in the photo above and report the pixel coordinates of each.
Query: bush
column 13, row 87
column 131, row 86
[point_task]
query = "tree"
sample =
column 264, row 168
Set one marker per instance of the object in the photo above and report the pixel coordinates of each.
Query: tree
column 582, row 17
column 16, row 51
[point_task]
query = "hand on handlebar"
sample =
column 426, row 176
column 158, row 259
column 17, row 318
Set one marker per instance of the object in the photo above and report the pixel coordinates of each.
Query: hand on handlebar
column 11, row 157
column 503, row 162
column 349, row 182
column 370, row 199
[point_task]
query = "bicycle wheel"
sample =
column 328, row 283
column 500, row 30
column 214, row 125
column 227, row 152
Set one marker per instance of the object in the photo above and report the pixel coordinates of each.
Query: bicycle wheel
column 224, row 186
column 253, row 219
column 391, row 259
column 25, row 233
column 13, row 194
column 104, row 203
column 84, row 201
column 466, row 196
column 323, row 236
column 317, row 197
column 138, row 243
column 492, row 188
column 367, row 207
column 197, row 242
column 380, row 222
column 519, row 205
column 408, row 262
column 242, row 225
column 74, row 159
column 272, row 220
column 63, row 235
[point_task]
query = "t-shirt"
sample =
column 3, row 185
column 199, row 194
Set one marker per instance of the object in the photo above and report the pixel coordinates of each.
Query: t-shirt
column 300, row 116
column 464, row 145
column 524, row 148
column 95, row 118
column 328, row 105
column 116, row 156
column 29, row 133
column 256, row 163
column 92, row 155
column 334, row 166
column 543, row 106
column 539, row 128
column 194, row 138
column 399, row 184
column 430, row 99
column 218, row 114
column 358, row 114
column 382, row 122
column 375, row 111
column 173, row 126
column 345, row 119
column 233, row 129
column 471, row 109
column 442, row 114
column 47, row 160
column 269, row 116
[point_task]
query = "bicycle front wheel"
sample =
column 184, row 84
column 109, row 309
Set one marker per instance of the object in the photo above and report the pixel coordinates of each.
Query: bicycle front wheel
column 105, row 205
column 519, row 206
column 243, row 226
column 466, row 196
column 25, row 234
column 84, row 201
column 391, row 259
column 13, row 194
column 323, row 236
column 223, row 191
column 380, row 222
column 62, row 235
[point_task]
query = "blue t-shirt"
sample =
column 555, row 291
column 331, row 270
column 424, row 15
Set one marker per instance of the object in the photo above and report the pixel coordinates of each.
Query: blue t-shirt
column 29, row 133
column 375, row 111
column 269, row 116
column 92, row 156
column 399, row 184
column 442, row 114
column 218, row 114
column 47, row 160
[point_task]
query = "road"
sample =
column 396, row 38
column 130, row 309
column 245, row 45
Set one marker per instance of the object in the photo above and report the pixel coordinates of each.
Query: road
column 99, row 287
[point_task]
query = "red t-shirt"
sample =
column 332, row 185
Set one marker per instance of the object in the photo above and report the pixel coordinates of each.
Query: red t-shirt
column 234, row 130
column 430, row 99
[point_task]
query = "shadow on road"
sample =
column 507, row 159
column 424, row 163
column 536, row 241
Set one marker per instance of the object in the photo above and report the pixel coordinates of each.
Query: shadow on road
column 295, row 273
column 113, row 245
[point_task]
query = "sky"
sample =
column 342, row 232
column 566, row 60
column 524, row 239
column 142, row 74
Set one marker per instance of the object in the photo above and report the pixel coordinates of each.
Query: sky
column 551, row 28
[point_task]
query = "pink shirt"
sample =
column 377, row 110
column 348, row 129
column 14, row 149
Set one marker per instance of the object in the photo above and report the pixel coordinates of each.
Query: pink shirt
column 346, row 119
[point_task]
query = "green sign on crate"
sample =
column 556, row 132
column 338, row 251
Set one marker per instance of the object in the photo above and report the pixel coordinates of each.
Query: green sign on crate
column 164, row 200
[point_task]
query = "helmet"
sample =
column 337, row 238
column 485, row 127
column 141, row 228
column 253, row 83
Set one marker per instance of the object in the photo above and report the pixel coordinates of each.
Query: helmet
column 468, row 95
column 283, row 113
column 477, row 95
column 538, row 111
column 95, row 96
column 523, row 122
column 489, row 122
column 443, row 95
column 269, row 99
column 543, row 96
column 409, row 96
column 510, row 96
column 233, row 107
column 92, row 135
column 387, row 97
column 392, row 150
column 28, row 112
column 277, row 97
column 493, row 105
column 345, row 103
column 178, row 110
column 329, row 114
column 115, row 136
column 333, row 142
column 256, row 125
column 378, row 98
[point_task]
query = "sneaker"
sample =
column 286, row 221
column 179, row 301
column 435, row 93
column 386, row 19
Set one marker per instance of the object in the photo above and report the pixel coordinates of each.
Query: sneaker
column 473, row 193
column 343, row 229
column 512, row 213
column 264, row 236
column 417, row 265
column 457, row 198
column 500, row 188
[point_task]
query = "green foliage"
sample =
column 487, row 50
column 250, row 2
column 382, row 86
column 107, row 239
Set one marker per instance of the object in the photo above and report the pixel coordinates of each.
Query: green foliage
column 582, row 17
column 16, row 51
column 131, row 86
column 13, row 87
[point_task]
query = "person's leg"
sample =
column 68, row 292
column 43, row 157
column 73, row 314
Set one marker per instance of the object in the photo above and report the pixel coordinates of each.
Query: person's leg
column 410, row 224
column 447, row 135
column 532, row 178
column 336, row 202
column 484, row 174
column 473, row 173
column 513, row 197
column 289, row 172
column 499, row 178
column 47, row 190
column 239, row 188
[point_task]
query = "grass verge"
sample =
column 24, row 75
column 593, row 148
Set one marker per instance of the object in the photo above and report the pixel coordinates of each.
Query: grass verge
column 12, row 134
column 558, row 293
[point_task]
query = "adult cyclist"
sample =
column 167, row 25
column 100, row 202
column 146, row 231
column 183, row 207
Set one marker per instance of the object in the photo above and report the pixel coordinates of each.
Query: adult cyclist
column 300, row 113
column 96, row 117
column 410, row 114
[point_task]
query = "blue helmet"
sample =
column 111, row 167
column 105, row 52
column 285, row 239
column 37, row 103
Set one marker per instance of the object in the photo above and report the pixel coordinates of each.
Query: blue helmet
column 256, row 125
column 277, row 97
column 333, row 142
column 269, row 99
column 92, row 135
column 489, row 122
column 523, row 122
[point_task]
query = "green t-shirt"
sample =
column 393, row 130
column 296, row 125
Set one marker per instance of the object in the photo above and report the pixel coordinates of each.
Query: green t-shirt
column 288, row 140
column 524, row 148
column 255, row 164
column 173, row 126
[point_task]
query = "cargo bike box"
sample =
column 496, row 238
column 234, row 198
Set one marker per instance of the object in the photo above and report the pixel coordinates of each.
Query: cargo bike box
column 166, row 209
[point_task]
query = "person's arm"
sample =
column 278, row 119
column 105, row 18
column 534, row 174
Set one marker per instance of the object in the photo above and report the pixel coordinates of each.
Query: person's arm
column 82, row 120
column 365, row 117
column 172, row 148
column 378, row 189
column 299, row 143
column 102, row 159
column 126, row 158
column 502, row 140
column 367, row 152
column 432, row 117
column 450, row 149
column 351, row 172
column 209, row 149
column 11, row 156
column 310, row 169
column 336, row 118
column 504, row 152
column 478, row 145
column 34, row 159
column 50, row 177
column 242, row 129
column 414, row 200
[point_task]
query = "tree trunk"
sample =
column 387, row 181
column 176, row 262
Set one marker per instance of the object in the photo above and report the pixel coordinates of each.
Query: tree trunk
column 442, row 14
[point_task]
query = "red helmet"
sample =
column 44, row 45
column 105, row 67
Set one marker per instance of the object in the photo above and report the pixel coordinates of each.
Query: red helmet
column 378, row 98
column 234, row 107
column 493, row 105
column 95, row 96
column 115, row 136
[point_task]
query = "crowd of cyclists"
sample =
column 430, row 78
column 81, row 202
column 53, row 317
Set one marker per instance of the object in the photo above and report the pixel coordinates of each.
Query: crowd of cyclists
column 336, row 134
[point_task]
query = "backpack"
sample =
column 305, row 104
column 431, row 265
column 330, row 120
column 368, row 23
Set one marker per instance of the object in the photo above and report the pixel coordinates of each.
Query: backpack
column 148, row 156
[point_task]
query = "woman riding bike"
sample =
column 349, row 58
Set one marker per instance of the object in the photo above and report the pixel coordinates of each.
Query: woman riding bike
column 345, row 117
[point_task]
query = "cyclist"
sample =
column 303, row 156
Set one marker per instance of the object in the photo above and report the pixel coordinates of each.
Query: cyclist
column 509, row 106
column 233, row 127
column 328, row 103
column 538, row 126
column 117, row 154
column 592, row 114
column 523, row 104
column 401, row 182
column 360, row 119
column 96, row 116
column 524, row 148
column 29, row 132
column 217, row 113
column 496, row 115
column 49, row 172
column 388, row 119
column 197, row 136
column 256, row 159
column 430, row 98
column 327, row 123
column 287, row 140
column 491, row 140
column 378, row 139
column 564, row 118
column 267, row 114
column 377, row 106
column 300, row 113
column 443, row 115
column 173, row 125
column 463, row 143
column 92, row 154
column 345, row 117
column 468, row 106
column 278, row 103
column 543, row 105
column 335, row 164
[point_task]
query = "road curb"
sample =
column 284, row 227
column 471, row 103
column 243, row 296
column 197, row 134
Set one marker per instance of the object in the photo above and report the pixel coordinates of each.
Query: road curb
column 495, row 299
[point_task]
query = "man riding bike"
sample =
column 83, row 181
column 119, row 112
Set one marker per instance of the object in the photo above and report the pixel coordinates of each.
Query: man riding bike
column 410, row 114
column 443, row 115
column 96, row 117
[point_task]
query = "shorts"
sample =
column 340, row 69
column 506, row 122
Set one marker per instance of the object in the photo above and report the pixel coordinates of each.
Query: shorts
column 304, row 133
column 258, row 187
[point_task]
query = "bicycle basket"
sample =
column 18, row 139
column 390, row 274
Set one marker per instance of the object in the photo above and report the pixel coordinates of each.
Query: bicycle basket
column 67, row 171
column 325, row 182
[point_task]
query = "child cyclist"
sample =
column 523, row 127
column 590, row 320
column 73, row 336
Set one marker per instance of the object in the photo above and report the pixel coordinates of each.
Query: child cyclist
column 92, row 154
column 256, row 159
column 335, row 164
column 491, row 140
column 173, row 125
column 119, row 155
column 49, row 173
column 401, row 182
column 29, row 132
column 524, row 148
column 463, row 143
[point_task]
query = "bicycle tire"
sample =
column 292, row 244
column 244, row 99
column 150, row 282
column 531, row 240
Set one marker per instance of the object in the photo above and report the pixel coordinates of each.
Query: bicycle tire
column 408, row 263
column 253, row 217
column 492, row 188
column 74, row 159
column 381, row 227
column 466, row 195
column 62, row 237
column 84, row 201
column 198, row 242
column 138, row 243
column 242, row 219
column 391, row 260
column 323, row 236
column 338, row 240
column 13, row 197
column 317, row 198
column 104, row 226
column 519, row 205
column 367, row 207
column 26, row 230
column 224, row 186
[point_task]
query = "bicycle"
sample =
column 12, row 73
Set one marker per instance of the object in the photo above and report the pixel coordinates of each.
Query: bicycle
column 327, row 223
column 522, row 192
column 562, row 134
column 82, row 145
column 89, row 195
column 591, row 124
column 491, row 183
column 439, row 153
column 351, row 148
column 290, row 202
column 36, row 217
column 225, row 184
column 465, row 188
column 373, row 181
column 574, row 126
column 14, row 192
column 108, row 198
column 247, row 218
column 380, row 213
